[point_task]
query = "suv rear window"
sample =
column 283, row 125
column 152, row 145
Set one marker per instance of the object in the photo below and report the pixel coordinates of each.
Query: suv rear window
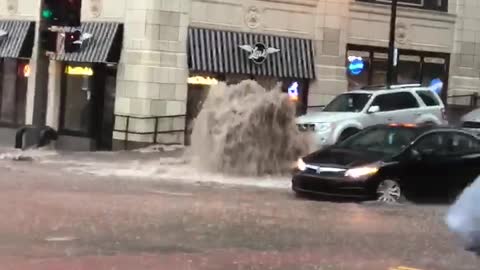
column 428, row 97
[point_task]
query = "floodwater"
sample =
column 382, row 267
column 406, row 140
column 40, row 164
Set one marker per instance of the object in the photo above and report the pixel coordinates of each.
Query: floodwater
column 148, row 164
column 245, row 129
column 244, row 135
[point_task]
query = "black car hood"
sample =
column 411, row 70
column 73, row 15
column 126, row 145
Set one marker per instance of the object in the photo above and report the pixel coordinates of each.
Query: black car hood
column 343, row 157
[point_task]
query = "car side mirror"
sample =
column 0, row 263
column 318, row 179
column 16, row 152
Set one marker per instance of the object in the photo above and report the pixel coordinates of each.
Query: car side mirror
column 373, row 109
column 414, row 155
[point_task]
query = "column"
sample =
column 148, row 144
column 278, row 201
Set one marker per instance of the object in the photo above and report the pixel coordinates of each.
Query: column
column 330, row 50
column 465, row 59
column 153, row 71
column 54, row 94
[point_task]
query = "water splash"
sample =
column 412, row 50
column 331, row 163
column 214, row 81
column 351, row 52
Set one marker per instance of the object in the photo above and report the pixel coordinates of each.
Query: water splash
column 244, row 129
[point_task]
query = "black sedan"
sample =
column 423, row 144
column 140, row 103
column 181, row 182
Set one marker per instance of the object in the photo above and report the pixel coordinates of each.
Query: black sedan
column 391, row 163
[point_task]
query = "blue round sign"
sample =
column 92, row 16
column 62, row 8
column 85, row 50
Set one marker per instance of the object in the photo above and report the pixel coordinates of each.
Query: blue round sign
column 356, row 66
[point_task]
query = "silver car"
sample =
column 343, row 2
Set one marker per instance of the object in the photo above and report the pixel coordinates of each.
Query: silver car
column 471, row 122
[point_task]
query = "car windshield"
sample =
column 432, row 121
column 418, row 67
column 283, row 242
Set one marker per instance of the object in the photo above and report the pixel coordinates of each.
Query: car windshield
column 351, row 102
column 386, row 140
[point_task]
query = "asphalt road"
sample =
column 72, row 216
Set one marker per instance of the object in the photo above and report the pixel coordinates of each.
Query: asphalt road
column 56, row 220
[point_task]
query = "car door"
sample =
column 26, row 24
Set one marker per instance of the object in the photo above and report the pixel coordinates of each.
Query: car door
column 427, row 171
column 406, row 107
column 432, row 107
column 386, row 114
column 463, row 151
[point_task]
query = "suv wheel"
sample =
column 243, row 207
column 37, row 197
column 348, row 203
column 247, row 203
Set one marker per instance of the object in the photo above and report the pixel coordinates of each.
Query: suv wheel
column 347, row 133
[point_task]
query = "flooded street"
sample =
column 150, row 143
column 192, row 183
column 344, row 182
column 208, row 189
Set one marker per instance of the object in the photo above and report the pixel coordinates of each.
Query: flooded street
column 56, row 217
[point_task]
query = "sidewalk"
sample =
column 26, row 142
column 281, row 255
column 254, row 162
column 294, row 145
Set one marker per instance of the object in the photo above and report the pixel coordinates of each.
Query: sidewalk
column 145, row 154
column 170, row 164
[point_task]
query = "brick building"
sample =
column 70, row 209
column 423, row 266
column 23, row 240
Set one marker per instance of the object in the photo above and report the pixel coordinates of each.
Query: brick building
column 149, row 62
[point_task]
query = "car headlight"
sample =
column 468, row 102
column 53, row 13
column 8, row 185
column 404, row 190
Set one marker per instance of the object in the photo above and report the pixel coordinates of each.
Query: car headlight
column 301, row 165
column 321, row 127
column 362, row 172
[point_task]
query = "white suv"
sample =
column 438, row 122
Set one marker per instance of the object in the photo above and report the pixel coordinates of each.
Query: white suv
column 353, row 111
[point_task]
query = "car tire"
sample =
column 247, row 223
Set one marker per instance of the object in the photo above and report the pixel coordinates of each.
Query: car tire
column 347, row 133
column 389, row 191
column 300, row 195
column 453, row 194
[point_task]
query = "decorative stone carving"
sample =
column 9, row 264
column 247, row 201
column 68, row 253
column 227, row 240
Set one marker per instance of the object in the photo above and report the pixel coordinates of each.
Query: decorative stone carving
column 96, row 8
column 401, row 34
column 12, row 6
column 252, row 18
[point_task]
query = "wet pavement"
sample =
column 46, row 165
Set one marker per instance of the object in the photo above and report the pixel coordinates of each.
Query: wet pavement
column 53, row 218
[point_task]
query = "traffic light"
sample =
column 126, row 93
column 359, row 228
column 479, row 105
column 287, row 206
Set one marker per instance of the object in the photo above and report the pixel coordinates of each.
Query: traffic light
column 73, row 41
column 49, row 14
column 62, row 12
column 73, row 10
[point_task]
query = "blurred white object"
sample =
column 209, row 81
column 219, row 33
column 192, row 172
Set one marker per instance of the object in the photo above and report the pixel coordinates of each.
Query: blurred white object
column 463, row 217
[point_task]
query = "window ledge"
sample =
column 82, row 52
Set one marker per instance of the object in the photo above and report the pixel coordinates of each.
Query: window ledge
column 406, row 12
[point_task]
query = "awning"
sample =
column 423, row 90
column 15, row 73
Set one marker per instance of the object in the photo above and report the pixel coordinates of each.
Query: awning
column 216, row 51
column 18, row 38
column 103, row 47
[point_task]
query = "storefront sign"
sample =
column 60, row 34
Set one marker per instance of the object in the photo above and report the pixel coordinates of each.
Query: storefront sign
column 79, row 71
column 259, row 52
column 356, row 66
column 293, row 91
column 26, row 71
column 199, row 80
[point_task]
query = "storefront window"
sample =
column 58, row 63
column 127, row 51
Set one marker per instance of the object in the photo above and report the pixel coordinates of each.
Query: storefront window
column 434, row 71
column 23, row 73
column 77, row 94
column 379, row 68
column 409, row 69
column 14, row 91
column 426, row 68
column 298, row 88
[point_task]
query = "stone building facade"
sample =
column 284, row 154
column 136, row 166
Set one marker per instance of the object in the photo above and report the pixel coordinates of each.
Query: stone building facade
column 159, row 41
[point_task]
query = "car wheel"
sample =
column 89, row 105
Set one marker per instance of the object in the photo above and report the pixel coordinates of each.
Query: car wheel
column 347, row 133
column 389, row 191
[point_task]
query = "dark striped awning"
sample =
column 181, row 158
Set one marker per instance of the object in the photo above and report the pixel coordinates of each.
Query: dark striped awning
column 98, row 48
column 17, row 32
column 219, row 52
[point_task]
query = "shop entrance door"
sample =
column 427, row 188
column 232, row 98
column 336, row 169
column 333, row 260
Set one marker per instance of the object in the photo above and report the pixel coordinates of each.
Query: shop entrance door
column 87, row 105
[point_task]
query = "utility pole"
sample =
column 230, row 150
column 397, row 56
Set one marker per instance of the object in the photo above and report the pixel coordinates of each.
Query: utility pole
column 391, row 45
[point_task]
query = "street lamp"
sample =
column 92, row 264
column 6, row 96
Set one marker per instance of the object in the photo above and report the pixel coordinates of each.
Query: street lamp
column 391, row 45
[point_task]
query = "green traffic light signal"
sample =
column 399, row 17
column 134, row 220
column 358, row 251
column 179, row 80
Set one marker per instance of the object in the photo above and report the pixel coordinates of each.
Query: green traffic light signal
column 47, row 14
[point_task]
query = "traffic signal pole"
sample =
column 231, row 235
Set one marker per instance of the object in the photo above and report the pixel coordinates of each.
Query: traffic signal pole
column 38, row 87
column 391, row 45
